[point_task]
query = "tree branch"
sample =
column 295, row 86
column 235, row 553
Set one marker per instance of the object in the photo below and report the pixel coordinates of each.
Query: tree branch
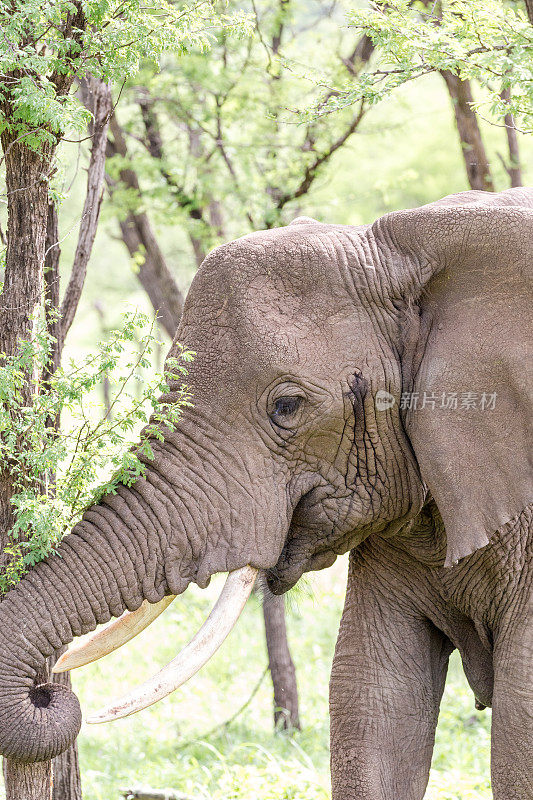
column 512, row 168
column 354, row 63
column 72, row 33
column 98, row 99
column 312, row 169
column 283, row 6
column 154, row 794
column 474, row 154
column 138, row 236
column 154, row 144
column 51, row 293
column 280, row 663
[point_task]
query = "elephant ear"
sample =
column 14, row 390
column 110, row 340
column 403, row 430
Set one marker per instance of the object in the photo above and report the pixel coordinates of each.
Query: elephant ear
column 465, row 264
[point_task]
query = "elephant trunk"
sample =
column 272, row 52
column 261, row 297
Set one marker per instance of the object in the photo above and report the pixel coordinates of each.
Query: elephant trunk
column 101, row 569
column 180, row 522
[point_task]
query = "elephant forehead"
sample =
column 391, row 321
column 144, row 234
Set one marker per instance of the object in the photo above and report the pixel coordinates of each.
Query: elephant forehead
column 263, row 320
column 272, row 278
column 276, row 300
column 243, row 350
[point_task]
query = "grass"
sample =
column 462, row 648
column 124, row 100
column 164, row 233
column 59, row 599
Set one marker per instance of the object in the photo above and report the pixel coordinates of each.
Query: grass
column 167, row 746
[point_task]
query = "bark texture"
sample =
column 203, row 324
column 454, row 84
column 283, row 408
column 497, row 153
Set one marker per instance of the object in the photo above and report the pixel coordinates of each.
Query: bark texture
column 51, row 289
column 475, row 157
column 280, row 663
column 27, row 190
column 33, row 781
column 27, row 175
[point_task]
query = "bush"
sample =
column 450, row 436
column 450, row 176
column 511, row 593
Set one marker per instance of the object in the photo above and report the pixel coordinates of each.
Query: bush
column 58, row 473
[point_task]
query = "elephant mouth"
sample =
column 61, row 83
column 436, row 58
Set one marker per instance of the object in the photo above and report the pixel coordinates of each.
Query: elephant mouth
column 315, row 544
column 288, row 571
column 325, row 524
column 308, row 544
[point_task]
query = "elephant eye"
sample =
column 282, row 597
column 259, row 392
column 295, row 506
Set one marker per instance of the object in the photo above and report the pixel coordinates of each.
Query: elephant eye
column 284, row 409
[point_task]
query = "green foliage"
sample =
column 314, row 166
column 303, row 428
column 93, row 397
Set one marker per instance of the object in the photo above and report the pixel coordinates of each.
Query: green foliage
column 56, row 475
column 46, row 45
column 486, row 40
column 229, row 144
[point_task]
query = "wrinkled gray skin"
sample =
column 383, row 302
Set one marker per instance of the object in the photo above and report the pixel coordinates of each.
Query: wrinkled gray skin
column 430, row 300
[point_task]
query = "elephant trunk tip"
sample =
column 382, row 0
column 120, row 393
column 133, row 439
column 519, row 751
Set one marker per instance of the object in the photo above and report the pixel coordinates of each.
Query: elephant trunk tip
column 39, row 724
column 41, row 696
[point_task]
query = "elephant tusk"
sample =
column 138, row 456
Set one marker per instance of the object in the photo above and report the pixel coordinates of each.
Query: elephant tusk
column 112, row 636
column 194, row 655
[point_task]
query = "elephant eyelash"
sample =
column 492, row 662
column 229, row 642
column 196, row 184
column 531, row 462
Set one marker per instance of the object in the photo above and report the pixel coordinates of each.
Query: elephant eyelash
column 287, row 406
column 284, row 410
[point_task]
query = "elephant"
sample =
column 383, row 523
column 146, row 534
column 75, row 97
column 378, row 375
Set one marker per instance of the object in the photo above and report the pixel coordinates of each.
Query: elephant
column 361, row 389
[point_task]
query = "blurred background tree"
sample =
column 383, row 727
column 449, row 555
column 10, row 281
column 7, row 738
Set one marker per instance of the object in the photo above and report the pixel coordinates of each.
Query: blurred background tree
column 488, row 43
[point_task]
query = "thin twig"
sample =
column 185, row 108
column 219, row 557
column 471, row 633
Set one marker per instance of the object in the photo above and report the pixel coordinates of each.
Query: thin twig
column 228, row 722
column 311, row 171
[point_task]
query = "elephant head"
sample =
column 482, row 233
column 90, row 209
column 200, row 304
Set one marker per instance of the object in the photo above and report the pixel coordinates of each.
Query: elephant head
column 308, row 339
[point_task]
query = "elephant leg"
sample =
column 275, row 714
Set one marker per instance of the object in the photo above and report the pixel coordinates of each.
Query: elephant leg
column 512, row 714
column 387, row 681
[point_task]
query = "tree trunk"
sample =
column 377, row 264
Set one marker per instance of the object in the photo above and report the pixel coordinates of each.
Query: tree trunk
column 154, row 274
column 512, row 168
column 27, row 191
column 27, row 175
column 51, row 293
column 28, row 781
column 283, row 674
column 474, row 154
column 65, row 768
column 97, row 98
